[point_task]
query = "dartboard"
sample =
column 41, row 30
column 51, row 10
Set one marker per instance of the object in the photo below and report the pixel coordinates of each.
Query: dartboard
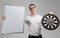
column 50, row 21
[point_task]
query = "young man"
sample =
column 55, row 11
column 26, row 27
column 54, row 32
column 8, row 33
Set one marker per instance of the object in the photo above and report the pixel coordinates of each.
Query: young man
column 34, row 23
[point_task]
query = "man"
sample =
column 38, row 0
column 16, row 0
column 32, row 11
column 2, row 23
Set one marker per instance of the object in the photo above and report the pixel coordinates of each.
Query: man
column 33, row 22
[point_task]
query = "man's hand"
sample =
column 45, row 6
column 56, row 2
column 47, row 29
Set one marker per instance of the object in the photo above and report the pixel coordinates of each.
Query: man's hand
column 50, row 12
column 3, row 18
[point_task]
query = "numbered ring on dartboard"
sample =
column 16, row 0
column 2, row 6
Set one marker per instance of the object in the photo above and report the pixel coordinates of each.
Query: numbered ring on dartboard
column 50, row 21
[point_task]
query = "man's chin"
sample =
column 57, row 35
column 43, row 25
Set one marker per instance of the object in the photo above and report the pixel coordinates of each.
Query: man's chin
column 33, row 12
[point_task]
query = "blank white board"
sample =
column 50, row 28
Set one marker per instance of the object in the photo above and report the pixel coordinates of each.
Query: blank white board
column 14, row 19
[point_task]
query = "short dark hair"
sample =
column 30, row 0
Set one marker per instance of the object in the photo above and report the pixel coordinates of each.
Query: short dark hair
column 31, row 5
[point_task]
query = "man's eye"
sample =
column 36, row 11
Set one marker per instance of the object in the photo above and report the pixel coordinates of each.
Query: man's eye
column 30, row 8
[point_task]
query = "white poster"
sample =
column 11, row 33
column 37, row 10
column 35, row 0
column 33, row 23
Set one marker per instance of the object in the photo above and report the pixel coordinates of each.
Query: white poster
column 14, row 19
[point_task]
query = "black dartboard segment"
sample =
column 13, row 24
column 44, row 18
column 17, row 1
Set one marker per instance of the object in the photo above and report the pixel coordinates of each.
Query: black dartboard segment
column 50, row 21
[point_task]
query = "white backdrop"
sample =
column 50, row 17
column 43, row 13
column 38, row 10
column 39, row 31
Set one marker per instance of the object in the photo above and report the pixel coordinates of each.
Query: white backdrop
column 14, row 19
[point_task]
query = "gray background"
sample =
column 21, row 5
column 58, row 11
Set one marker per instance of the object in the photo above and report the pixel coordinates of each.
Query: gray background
column 43, row 6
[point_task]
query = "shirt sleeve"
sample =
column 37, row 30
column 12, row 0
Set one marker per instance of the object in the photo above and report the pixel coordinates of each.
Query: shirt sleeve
column 41, row 19
column 40, row 23
column 26, row 20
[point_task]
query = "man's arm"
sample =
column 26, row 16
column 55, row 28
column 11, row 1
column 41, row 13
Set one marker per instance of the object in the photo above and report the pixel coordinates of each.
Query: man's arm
column 26, row 21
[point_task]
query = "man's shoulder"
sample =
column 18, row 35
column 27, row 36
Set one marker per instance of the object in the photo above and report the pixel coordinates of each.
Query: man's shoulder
column 27, row 16
column 39, row 16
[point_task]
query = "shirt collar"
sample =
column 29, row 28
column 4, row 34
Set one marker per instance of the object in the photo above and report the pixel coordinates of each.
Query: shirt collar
column 33, row 15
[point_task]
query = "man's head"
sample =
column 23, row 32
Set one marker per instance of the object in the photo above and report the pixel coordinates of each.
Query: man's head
column 32, row 8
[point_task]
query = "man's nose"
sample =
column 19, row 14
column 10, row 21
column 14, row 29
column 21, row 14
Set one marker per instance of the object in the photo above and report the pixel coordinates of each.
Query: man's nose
column 32, row 9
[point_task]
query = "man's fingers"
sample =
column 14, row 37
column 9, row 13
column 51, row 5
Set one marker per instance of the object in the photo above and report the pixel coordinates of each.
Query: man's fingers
column 3, row 17
column 51, row 13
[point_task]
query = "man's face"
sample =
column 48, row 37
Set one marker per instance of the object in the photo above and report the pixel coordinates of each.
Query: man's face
column 32, row 9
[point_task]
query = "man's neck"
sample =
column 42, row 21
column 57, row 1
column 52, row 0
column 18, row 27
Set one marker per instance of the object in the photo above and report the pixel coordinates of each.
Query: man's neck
column 33, row 14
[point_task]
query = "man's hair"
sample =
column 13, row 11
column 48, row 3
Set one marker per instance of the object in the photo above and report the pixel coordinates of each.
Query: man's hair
column 31, row 5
